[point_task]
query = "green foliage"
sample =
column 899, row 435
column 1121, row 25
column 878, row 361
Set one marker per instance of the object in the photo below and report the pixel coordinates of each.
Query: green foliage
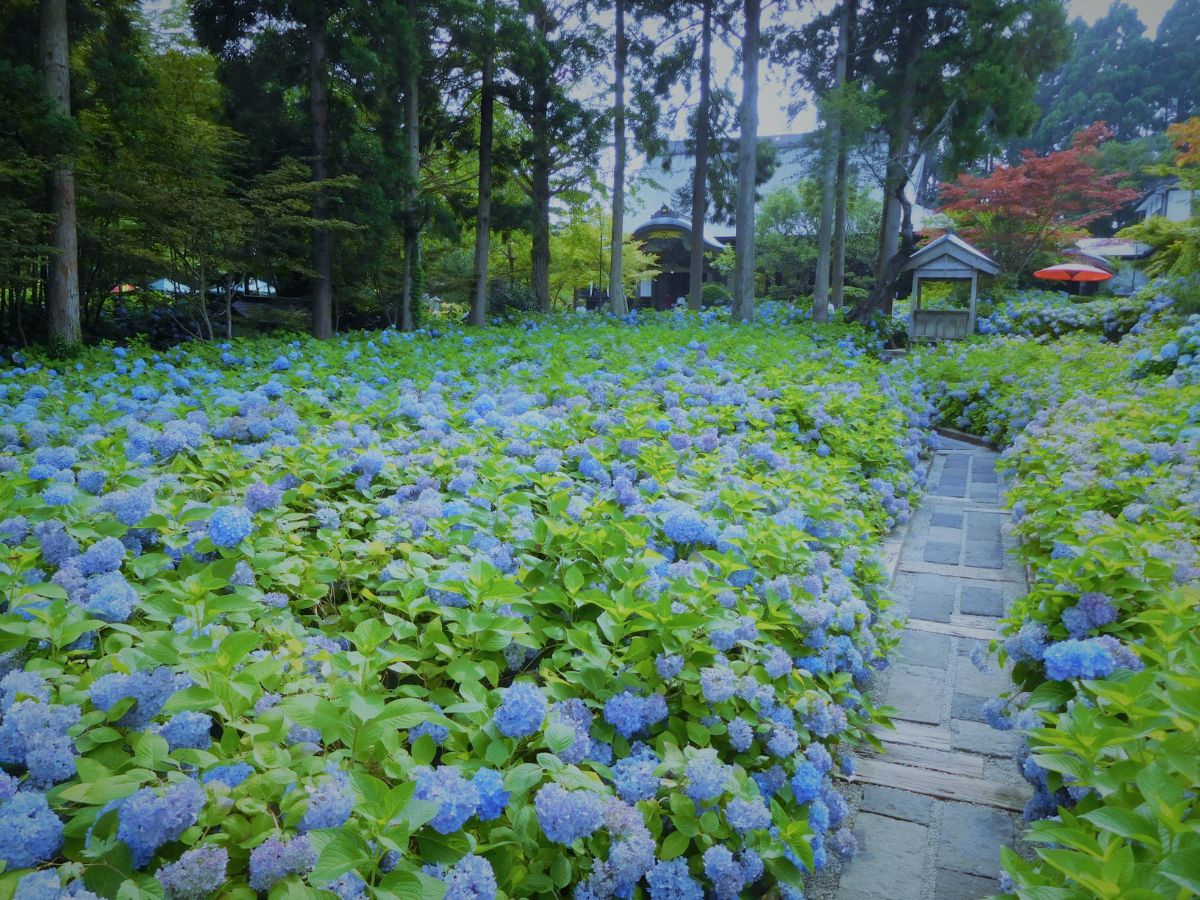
column 714, row 293
column 358, row 601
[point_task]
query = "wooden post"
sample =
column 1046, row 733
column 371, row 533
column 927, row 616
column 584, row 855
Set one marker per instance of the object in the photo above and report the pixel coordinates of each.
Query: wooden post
column 916, row 304
column 971, row 315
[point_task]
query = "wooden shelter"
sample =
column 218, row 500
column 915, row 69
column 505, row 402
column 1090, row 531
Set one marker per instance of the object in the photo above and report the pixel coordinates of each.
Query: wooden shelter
column 948, row 258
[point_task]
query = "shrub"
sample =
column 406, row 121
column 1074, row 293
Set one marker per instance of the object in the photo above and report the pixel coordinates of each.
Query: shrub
column 563, row 603
column 714, row 293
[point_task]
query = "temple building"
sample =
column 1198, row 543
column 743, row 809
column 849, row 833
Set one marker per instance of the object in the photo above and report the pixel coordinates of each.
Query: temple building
column 668, row 237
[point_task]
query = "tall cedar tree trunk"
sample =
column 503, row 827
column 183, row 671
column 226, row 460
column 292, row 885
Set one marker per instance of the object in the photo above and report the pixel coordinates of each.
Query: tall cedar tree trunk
column 837, row 291
column 700, row 174
column 412, row 224
column 743, row 273
column 318, row 94
column 540, row 170
column 616, row 283
column 829, row 160
column 62, row 270
column 890, row 258
column 539, row 254
column 483, row 214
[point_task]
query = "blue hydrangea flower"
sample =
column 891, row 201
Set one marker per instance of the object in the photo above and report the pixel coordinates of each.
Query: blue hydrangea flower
column 439, row 733
column 150, row 690
column 634, row 775
column 706, row 776
column 130, row 507
column 685, row 526
column 190, row 730
column 471, row 878
column 566, row 816
column 348, row 886
column 718, row 683
column 806, row 782
column 783, row 741
column 260, row 496
column 1079, row 659
column 148, row 820
column 110, row 597
column 230, row 775
column 672, row 881
column 329, row 803
column 723, row 871
column 273, row 860
column 229, row 526
column 30, row 832
column 18, row 685
column 522, row 711
column 493, row 798
column 34, row 734
column 46, row 884
column 458, row 799
column 195, row 875
column 747, row 815
column 668, row 665
column 103, row 556
column 624, row 712
column 741, row 735
column 58, row 494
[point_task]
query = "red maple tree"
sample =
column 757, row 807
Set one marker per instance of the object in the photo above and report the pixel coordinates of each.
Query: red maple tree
column 1020, row 214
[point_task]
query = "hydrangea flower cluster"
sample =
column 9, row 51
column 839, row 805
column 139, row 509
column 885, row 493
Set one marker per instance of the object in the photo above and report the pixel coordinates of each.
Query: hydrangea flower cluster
column 522, row 711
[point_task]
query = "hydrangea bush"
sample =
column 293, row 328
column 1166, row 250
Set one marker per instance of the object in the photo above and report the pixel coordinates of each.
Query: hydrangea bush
column 1106, row 502
column 1104, row 483
column 1048, row 314
column 570, row 606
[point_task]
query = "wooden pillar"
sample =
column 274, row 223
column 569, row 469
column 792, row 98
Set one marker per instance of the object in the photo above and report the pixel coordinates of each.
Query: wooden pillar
column 916, row 304
column 971, row 314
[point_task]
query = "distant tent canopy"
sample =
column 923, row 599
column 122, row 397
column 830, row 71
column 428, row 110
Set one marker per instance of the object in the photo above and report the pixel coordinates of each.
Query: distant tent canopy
column 168, row 286
column 668, row 237
column 245, row 287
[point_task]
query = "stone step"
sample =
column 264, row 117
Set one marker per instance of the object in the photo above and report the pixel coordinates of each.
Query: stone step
column 942, row 785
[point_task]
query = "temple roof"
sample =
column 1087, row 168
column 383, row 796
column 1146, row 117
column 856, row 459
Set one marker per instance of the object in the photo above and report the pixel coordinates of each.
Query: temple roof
column 667, row 222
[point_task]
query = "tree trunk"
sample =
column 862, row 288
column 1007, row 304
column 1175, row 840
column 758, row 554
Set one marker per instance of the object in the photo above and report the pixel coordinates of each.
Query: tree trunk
column 318, row 99
column 483, row 214
column 837, row 289
column 700, row 174
column 743, row 288
column 540, row 245
column 62, row 270
column 829, row 161
column 412, row 224
column 888, row 259
column 616, row 283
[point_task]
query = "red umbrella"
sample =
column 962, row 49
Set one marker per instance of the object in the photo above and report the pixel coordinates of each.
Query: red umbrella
column 124, row 288
column 1072, row 272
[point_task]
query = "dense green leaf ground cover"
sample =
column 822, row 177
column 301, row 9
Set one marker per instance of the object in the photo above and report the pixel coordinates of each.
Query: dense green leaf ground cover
column 561, row 604
column 1103, row 458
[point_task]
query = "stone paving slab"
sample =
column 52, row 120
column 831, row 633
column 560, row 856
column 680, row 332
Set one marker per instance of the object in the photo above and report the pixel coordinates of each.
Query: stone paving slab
column 951, row 885
column 897, row 804
column 890, row 861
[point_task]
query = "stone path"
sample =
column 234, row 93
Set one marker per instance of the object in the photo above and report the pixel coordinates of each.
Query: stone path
column 944, row 796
